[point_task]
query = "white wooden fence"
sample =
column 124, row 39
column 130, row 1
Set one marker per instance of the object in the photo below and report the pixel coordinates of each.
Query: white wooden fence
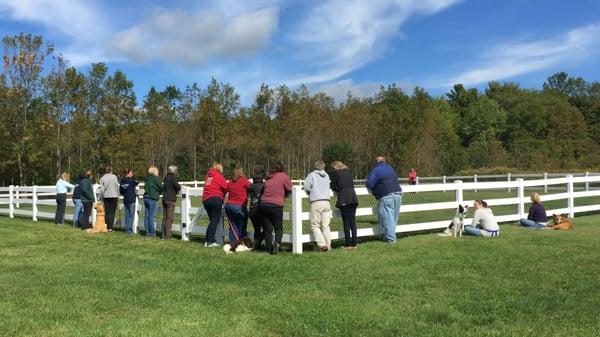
column 13, row 197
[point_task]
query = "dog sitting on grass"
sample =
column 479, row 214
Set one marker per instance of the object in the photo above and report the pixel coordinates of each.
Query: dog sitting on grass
column 242, row 245
column 100, row 225
column 457, row 225
column 561, row 222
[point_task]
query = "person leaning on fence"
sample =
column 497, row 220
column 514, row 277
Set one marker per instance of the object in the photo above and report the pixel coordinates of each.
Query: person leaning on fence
column 215, row 187
column 77, row 204
column 537, row 213
column 152, row 189
column 254, row 194
column 484, row 223
column 383, row 184
column 171, row 188
column 127, row 187
column 109, row 187
column 316, row 185
column 235, row 207
column 342, row 184
column 277, row 186
column 87, row 199
column 62, row 187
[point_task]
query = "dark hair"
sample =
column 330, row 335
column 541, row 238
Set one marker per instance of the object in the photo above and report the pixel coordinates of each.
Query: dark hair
column 126, row 171
column 481, row 202
column 108, row 169
column 258, row 177
column 277, row 166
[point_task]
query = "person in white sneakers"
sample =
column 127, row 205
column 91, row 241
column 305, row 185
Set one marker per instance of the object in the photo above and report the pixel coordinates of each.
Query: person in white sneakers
column 316, row 185
column 484, row 223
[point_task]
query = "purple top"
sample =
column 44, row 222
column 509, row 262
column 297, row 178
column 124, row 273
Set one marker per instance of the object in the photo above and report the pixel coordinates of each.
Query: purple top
column 537, row 213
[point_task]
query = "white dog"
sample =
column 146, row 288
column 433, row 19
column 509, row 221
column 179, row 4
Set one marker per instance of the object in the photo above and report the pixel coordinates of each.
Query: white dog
column 457, row 225
column 243, row 245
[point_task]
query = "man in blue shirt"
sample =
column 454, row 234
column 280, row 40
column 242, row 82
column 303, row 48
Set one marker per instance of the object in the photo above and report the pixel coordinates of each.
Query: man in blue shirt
column 383, row 184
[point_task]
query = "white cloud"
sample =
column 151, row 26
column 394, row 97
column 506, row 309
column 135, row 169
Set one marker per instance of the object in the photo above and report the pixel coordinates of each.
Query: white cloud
column 193, row 39
column 81, row 21
column 513, row 59
column 339, row 36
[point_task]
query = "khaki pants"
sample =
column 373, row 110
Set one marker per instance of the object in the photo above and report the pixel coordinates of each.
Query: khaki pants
column 320, row 215
column 169, row 210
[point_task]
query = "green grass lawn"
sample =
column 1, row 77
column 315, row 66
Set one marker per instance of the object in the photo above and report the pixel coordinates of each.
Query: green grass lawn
column 59, row 281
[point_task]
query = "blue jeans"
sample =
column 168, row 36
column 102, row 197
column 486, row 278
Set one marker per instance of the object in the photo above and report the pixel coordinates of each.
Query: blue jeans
column 388, row 209
column 213, row 208
column 129, row 212
column 531, row 223
column 77, row 211
column 238, row 222
column 473, row 231
column 149, row 212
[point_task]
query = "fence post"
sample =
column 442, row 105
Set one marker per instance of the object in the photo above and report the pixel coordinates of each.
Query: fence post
column 444, row 182
column 185, row 216
column 17, row 195
column 587, row 183
column 34, row 198
column 508, row 180
column 136, row 216
column 459, row 192
column 545, row 182
column 296, row 220
column 475, row 181
column 11, row 205
column 571, row 199
column 95, row 189
column 521, row 197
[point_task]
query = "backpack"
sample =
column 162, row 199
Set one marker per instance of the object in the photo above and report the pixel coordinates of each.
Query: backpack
column 255, row 197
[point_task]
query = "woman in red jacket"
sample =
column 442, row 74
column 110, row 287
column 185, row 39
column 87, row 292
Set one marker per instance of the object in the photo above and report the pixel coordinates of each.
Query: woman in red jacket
column 215, row 187
column 277, row 186
column 235, row 208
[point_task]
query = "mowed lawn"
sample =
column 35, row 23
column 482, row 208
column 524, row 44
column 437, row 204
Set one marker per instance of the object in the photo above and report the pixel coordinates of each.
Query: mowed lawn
column 59, row 281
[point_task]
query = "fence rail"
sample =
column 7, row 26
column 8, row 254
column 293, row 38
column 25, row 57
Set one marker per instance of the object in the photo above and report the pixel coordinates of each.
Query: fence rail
column 193, row 218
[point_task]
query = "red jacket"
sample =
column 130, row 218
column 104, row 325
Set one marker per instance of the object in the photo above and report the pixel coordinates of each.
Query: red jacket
column 214, row 185
column 277, row 185
column 238, row 191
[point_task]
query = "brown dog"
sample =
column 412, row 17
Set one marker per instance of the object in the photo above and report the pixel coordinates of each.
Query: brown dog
column 561, row 222
column 100, row 225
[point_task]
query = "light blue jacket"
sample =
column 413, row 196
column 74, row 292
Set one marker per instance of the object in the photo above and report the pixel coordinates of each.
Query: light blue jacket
column 63, row 187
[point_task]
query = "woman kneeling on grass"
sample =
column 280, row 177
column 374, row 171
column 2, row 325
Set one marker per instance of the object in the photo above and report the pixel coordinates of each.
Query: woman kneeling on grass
column 537, row 213
column 484, row 223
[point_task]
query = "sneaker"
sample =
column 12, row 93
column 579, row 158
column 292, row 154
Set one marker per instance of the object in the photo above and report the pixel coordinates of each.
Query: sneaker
column 276, row 247
column 323, row 249
column 211, row 245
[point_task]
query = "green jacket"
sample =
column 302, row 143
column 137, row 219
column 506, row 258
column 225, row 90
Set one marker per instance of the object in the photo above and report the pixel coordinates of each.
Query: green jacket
column 152, row 187
column 87, row 190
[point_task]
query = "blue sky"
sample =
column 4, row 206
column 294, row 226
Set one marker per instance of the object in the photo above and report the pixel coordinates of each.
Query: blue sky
column 333, row 46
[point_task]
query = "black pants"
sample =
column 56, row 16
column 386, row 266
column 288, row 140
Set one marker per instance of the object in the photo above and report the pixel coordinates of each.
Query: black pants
column 272, row 218
column 349, row 219
column 213, row 207
column 257, row 224
column 87, row 212
column 110, row 207
column 61, row 204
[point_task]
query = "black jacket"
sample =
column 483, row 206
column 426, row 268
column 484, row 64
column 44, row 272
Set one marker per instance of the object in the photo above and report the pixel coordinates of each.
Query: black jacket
column 254, row 193
column 77, row 189
column 127, row 189
column 343, row 184
column 170, row 187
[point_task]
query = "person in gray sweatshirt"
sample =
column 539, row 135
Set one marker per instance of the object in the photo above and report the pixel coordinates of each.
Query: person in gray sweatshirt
column 316, row 185
column 109, row 187
column 484, row 223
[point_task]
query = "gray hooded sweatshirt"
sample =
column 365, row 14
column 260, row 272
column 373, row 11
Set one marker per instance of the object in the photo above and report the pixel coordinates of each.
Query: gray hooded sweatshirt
column 316, row 185
column 109, row 185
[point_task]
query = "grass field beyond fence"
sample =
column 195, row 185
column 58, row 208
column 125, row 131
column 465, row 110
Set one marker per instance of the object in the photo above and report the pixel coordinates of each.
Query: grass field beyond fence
column 59, row 281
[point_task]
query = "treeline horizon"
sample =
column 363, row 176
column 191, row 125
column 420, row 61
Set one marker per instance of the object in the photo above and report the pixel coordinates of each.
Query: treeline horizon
column 55, row 118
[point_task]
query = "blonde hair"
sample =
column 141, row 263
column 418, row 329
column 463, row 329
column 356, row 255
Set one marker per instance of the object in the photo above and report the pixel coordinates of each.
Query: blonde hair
column 338, row 165
column 238, row 172
column 64, row 176
column 535, row 198
column 153, row 170
column 218, row 167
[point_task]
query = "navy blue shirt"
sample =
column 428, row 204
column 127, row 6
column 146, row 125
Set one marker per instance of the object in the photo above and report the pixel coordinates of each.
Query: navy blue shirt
column 383, row 180
column 537, row 213
column 127, row 189
column 77, row 189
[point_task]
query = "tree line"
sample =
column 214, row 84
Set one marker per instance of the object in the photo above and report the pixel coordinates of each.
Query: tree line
column 56, row 118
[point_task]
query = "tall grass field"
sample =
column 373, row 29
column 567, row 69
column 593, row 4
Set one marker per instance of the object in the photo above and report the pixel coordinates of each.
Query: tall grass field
column 60, row 281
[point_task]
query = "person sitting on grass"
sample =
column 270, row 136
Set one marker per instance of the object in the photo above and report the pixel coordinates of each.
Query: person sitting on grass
column 484, row 223
column 537, row 213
